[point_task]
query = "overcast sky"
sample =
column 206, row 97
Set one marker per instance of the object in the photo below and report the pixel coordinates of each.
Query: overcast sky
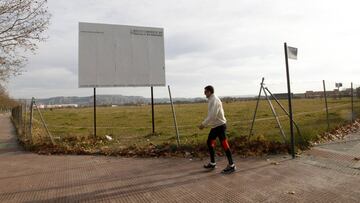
column 229, row 44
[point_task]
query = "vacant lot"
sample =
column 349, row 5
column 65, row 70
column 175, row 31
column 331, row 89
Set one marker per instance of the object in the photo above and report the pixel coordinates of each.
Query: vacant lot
column 132, row 124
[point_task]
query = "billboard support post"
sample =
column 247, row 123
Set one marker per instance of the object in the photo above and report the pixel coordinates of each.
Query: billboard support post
column 94, row 112
column 152, row 110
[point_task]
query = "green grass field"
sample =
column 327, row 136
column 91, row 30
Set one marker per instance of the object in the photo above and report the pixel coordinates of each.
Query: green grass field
column 132, row 124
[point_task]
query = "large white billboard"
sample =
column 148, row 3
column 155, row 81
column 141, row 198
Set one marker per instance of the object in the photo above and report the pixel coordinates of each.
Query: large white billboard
column 120, row 55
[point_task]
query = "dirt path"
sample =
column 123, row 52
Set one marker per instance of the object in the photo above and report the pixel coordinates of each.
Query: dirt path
column 328, row 173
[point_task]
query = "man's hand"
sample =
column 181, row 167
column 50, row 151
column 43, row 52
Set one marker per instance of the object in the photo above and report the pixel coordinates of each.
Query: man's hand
column 201, row 126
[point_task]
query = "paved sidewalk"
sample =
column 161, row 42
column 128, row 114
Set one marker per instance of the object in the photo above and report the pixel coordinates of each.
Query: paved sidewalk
column 328, row 173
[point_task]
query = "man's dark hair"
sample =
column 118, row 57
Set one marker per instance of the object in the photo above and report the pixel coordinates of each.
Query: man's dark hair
column 210, row 89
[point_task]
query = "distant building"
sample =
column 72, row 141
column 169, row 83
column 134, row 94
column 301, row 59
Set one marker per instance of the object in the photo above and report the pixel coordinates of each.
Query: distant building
column 335, row 93
column 282, row 95
column 299, row 96
column 314, row 94
column 55, row 106
column 41, row 106
column 320, row 94
column 347, row 92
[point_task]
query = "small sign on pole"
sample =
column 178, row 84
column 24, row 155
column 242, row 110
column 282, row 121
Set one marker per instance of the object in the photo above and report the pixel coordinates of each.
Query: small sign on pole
column 338, row 85
column 290, row 53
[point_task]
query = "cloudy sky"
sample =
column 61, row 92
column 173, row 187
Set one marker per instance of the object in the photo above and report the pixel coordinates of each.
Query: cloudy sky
column 229, row 44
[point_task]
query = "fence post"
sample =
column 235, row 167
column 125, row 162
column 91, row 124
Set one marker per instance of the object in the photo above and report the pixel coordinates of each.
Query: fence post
column 256, row 108
column 31, row 118
column 276, row 116
column 20, row 119
column 174, row 115
column 25, row 117
column 283, row 108
column 12, row 113
column 326, row 106
column 44, row 124
column 352, row 103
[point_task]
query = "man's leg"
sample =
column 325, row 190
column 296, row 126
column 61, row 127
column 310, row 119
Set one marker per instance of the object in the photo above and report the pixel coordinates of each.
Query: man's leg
column 225, row 144
column 211, row 146
column 211, row 142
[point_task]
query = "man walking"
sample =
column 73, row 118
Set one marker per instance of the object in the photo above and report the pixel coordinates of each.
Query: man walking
column 217, row 121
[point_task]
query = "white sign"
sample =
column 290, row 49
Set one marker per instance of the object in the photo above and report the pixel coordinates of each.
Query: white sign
column 292, row 52
column 338, row 85
column 120, row 55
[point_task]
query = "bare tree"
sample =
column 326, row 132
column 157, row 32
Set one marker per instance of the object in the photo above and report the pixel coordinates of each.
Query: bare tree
column 5, row 101
column 22, row 26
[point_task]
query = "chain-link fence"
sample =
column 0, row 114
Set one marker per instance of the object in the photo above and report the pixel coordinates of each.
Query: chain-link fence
column 318, row 106
column 128, row 125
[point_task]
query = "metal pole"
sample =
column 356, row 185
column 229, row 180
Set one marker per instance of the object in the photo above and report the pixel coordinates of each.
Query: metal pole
column 20, row 114
column 282, row 107
column 31, row 118
column 174, row 115
column 290, row 105
column 256, row 108
column 44, row 124
column 352, row 103
column 152, row 110
column 25, row 119
column 327, row 109
column 95, row 112
column 276, row 117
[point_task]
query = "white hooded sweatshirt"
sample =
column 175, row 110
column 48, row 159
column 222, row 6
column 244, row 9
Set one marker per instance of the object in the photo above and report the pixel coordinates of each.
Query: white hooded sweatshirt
column 215, row 116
